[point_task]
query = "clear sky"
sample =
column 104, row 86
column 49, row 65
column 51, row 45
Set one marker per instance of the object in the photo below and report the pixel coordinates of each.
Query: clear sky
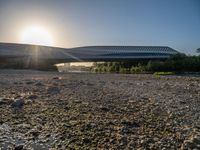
column 71, row 23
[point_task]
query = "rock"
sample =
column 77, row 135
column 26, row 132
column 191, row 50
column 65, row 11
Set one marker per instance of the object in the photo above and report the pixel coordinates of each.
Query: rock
column 28, row 102
column 29, row 82
column 18, row 103
column 18, row 147
column 90, row 84
column 34, row 132
column 124, row 130
column 104, row 108
column 39, row 84
column 86, row 140
column 32, row 97
column 197, row 127
column 4, row 101
column 85, row 103
column 145, row 98
column 130, row 124
column 155, row 139
column 53, row 90
column 56, row 78
column 77, row 101
column 131, row 101
column 183, row 102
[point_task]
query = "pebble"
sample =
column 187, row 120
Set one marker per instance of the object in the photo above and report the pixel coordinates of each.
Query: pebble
column 53, row 90
column 32, row 97
column 99, row 111
column 18, row 147
column 17, row 103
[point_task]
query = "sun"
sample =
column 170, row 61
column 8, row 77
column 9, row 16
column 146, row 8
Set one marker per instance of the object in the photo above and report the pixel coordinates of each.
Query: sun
column 37, row 35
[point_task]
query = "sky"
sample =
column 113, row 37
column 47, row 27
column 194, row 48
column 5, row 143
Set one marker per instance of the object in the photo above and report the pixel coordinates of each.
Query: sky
column 73, row 23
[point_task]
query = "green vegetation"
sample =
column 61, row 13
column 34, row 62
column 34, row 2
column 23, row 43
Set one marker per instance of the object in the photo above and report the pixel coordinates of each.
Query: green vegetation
column 163, row 73
column 121, row 67
column 176, row 64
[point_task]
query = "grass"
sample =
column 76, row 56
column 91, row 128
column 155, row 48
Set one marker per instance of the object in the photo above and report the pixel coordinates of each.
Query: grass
column 163, row 73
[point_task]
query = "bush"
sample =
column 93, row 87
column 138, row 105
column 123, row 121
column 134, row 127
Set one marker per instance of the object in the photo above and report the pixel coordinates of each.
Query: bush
column 124, row 70
column 138, row 69
column 177, row 63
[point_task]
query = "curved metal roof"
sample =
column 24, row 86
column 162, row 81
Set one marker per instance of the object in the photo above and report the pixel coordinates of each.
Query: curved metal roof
column 88, row 53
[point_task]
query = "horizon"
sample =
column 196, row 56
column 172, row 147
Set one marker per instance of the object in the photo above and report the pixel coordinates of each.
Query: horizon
column 68, row 24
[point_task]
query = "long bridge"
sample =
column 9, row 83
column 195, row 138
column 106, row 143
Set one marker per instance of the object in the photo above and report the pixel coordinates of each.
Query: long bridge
column 34, row 53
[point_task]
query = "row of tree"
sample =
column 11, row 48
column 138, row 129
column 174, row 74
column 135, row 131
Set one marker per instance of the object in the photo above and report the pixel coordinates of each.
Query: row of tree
column 177, row 63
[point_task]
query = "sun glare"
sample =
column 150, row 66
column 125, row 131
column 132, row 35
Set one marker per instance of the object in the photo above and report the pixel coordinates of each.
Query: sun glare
column 37, row 35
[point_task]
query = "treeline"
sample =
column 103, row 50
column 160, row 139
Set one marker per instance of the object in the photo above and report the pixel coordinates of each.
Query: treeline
column 177, row 63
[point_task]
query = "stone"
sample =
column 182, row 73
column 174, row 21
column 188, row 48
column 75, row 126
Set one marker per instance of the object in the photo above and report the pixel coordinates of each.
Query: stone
column 34, row 132
column 130, row 124
column 39, row 84
column 77, row 101
column 29, row 82
column 18, row 147
column 86, row 140
column 53, row 90
column 104, row 108
column 4, row 101
column 56, row 78
column 32, row 97
column 124, row 130
column 18, row 103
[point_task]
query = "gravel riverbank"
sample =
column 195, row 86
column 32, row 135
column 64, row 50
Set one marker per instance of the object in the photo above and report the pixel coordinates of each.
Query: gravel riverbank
column 43, row 110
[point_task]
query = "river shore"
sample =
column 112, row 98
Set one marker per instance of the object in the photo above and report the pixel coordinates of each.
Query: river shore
column 51, row 110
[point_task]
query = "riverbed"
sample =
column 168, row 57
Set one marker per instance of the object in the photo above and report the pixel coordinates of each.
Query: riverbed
column 51, row 110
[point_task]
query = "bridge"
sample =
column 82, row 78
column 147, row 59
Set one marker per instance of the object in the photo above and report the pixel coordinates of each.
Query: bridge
column 35, row 54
